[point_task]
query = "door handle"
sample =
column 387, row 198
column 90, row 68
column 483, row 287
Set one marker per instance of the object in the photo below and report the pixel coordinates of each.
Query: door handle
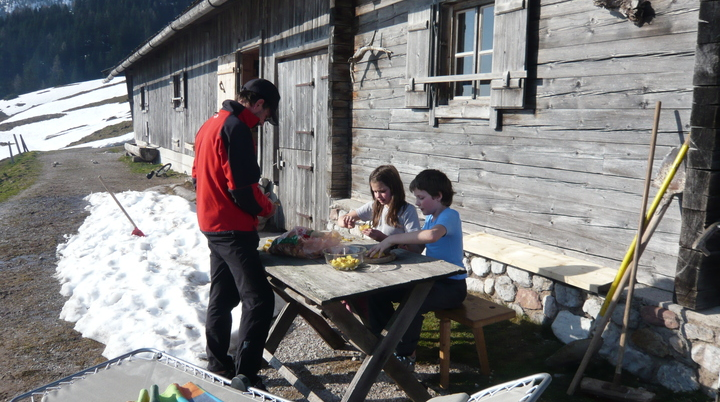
column 280, row 163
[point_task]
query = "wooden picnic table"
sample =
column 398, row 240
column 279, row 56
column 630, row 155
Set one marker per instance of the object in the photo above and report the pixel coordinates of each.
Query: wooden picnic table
column 315, row 290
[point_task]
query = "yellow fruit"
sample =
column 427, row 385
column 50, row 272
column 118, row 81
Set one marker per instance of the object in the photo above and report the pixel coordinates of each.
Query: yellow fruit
column 345, row 262
column 365, row 226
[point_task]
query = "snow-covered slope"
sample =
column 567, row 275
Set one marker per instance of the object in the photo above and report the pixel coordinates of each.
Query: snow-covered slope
column 55, row 117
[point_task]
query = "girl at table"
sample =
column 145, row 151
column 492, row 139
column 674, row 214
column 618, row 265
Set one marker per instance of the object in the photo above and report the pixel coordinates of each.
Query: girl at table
column 441, row 236
column 388, row 213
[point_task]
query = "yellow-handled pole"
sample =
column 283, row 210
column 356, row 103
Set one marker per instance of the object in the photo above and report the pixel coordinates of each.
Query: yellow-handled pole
column 658, row 198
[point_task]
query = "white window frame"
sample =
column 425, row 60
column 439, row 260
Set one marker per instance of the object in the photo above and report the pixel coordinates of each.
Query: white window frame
column 144, row 98
column 476, row 53
column 508, row 61
column 179, row 90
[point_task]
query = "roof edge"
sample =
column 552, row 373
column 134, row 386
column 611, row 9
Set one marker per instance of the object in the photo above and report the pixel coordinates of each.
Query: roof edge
column 193, row 14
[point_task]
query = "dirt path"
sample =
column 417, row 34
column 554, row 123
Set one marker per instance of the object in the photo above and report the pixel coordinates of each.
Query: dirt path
column 37, row 347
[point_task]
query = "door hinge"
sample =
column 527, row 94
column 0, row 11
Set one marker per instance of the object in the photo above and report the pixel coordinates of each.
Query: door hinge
column 306, row 84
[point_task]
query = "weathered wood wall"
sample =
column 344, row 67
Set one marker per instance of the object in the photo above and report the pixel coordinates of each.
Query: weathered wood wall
column 161, row 124
column 287, row 30
column 566, row 173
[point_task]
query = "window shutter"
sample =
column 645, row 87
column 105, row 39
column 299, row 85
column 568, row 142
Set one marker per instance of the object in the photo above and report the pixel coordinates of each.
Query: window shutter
column 418, row 57
column 509, row 54
column 227, row 67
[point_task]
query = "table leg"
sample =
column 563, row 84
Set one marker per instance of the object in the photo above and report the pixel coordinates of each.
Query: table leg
column 277, row 333
column 378, row 354
column 281, row 326
column 318, row 323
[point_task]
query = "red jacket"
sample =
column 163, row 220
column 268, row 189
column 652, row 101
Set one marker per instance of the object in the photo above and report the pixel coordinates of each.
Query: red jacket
column 226, row 172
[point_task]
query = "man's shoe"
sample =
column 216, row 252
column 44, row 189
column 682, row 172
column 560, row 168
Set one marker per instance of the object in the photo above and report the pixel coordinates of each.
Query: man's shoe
column 407, row 361
column 240, row 382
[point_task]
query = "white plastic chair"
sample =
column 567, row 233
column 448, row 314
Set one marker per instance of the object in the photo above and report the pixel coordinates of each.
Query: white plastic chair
column 526, row 389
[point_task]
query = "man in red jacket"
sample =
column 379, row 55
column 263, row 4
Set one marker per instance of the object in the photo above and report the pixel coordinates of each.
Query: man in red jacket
column 229, row 201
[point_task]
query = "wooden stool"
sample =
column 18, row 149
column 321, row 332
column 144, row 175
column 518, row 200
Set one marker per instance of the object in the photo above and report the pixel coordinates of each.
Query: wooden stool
column 475, row 313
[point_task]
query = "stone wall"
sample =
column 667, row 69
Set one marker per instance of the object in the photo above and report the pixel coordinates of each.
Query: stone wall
column 663, row 346
column 666, row 343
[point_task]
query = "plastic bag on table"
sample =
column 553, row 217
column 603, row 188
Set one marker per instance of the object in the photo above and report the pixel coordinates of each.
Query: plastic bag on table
column 303, row 242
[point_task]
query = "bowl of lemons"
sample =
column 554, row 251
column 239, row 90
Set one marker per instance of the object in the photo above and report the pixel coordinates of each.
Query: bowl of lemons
column 344, row 258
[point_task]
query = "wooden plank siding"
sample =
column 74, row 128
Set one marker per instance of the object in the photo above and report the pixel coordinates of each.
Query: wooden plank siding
column 284, row 30
column 565, row 174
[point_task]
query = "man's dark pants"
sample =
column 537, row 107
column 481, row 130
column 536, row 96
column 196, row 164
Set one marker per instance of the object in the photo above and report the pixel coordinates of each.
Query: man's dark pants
column 237, row 275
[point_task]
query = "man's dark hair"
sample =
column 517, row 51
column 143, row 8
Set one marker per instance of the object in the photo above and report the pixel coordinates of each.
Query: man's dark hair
column 434, row 182
column 249, row 96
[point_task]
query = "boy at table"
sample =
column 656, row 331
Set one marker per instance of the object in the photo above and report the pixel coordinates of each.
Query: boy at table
column 441, row 236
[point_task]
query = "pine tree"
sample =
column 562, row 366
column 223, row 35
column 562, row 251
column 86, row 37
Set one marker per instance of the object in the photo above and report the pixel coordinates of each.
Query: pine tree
column 75, row 43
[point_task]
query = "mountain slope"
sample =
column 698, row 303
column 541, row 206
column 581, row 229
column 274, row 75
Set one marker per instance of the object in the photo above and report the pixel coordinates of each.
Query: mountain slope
column 54, row 118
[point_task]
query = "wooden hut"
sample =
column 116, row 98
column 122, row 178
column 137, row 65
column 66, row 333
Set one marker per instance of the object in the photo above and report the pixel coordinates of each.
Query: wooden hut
column 540, row 111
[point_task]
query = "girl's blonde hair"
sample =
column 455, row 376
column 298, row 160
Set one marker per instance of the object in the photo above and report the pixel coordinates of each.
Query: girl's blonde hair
column 389, row 176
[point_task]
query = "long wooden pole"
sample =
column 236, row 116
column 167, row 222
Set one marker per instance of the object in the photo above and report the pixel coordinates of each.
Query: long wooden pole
column 621, row 280
column 653, row 207
column 636, row 258
column 603, row 320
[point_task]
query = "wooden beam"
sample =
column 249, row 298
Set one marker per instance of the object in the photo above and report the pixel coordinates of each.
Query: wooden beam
column 569, row 270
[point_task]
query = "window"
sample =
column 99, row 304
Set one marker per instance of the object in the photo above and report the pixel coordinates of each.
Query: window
column 466, row 59
column 179, row 84
column 143, row 99
column 472, row 44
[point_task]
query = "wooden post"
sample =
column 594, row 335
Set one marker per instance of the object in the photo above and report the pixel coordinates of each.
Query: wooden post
column 17, row 144
column 9, row 145
column 23, row 142
column 697, row 283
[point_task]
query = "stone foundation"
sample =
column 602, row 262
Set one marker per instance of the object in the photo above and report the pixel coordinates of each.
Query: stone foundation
column 666, row 343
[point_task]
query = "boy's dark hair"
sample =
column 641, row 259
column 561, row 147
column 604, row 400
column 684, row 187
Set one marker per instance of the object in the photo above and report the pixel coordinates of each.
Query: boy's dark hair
column 434, row 182
column 389, row 176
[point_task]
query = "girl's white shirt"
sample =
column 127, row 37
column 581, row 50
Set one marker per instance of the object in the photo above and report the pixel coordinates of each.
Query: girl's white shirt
column 407, row 218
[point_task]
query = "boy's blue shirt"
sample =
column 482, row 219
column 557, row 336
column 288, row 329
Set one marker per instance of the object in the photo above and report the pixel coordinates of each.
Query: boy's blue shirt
column 450, row 246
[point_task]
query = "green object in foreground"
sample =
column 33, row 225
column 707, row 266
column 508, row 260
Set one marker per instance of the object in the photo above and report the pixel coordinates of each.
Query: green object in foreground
column 16, row 177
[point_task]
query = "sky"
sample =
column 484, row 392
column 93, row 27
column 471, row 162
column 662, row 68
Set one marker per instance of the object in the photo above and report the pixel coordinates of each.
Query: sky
column 124, row 291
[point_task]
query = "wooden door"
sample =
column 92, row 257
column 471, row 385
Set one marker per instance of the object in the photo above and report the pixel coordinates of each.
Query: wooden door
column 226, row 76
column 302, row 144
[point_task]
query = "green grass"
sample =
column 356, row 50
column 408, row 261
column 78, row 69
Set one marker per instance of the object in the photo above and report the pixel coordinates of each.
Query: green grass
column 518, row 348
column 16, row 177
column 147, row 167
